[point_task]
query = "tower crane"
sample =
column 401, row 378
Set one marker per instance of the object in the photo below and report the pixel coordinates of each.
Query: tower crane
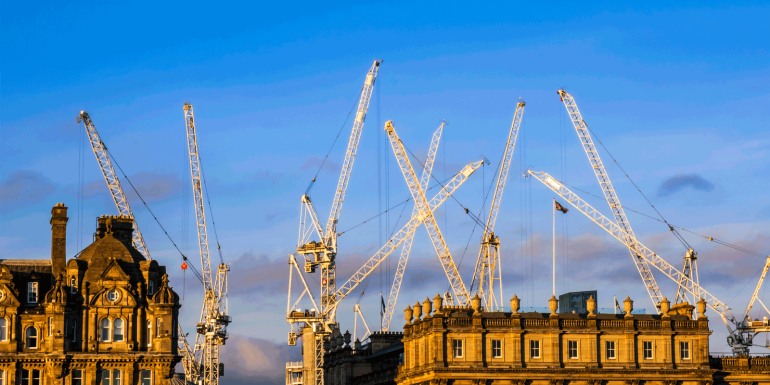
column 113, row 183
column 214, row 319
column 489, row 254
column 612, row 199
column 119, row 197
column 742, row 332
column 323, row 322
column 418, row 194
column 406, row 247
column 324, row 251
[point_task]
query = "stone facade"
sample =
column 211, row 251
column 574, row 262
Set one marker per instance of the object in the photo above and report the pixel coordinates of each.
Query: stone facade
column 465, row 345
column 374, row 363
column 106, row 317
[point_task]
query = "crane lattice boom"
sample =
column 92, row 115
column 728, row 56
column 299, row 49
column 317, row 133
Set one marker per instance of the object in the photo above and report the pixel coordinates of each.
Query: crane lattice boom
column 612, row 199
column 407, row 245
column 456, row 283
column 212, row 328
column 113, row 183
column 484, row 272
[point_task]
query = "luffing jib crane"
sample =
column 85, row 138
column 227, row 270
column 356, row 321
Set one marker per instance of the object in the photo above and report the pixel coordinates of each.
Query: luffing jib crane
column 212, row 327
column 322, row 323
column 742, row 332
column 489, row 255
column 406, row 247
column 612, row 199
column 426, row 215
column 113, row 183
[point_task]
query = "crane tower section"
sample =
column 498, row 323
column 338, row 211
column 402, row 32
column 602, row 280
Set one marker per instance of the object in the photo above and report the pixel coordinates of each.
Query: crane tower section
column 214, row 319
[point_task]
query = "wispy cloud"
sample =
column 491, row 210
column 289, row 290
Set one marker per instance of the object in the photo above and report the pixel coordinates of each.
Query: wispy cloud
column 256, row 361
column 25, row 187
column 680, row 182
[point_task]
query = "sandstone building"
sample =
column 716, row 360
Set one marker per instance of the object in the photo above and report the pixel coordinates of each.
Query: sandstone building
column 106, row 317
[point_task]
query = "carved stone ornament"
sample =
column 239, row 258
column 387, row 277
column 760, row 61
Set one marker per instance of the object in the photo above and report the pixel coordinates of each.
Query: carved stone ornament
column 553, row 304
column 632, row 382
column 427, row 307
column 628, row 307
column 706, row 382
column 515, row 304
column 591, row 305
column 438, row 303
column 556, row 382
column 519, row 382
column 665, row 306
column 417, row 310
column 702, row 308
column 594, row 382
column 408, row 314
column 670, row 382
column 476, row 304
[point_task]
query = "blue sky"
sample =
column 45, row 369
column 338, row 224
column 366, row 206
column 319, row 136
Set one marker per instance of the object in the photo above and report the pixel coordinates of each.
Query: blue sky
column 678, row 94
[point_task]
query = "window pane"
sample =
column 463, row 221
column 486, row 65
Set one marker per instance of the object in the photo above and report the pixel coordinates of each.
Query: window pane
column 24, row 377
column 35, row 377
column 118, row 330
column 106, row 377
column 116, row 377
column 77, row 377
column 3, row 331
column 31, row 338
column 105, row 330
column 146, row 377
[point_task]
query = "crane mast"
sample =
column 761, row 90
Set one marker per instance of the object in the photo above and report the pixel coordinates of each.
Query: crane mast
column 455, row 281
column 407, row 246
column 113, row 183
column 742, row 332
column 212, row 328
column 612, row 199
column 489, row 256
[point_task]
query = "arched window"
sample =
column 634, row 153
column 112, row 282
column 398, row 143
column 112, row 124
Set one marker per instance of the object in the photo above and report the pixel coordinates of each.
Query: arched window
column 105, row 330
column 31, row 340
column 3, row 329
column 117, row 330
column 158, row 322
column 149, row 332
column 73, row 285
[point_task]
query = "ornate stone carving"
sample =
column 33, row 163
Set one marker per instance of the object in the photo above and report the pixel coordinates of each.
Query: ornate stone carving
column 701, row 308
column 628, row 307
column 426, row 306
column 417, row 310
column 665, row 306
column 669, row 382
column 556, row 382
column 438, row 303
column 594, row 382
column 631, row 382
column 408, row 314
column 476, row 304
column 515, row 302
column 591, row 305
column 553, row 304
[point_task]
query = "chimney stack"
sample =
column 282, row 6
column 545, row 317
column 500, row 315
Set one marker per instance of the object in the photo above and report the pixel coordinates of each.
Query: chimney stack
column 58, row 239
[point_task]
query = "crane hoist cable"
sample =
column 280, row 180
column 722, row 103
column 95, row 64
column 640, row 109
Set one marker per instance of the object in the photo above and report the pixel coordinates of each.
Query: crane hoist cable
column 712, row 239
column 184, row 258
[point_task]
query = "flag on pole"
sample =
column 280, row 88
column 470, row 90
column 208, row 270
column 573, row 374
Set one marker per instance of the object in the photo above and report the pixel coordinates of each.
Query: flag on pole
column 382, row 305
column 617, row 305
column 560, row 207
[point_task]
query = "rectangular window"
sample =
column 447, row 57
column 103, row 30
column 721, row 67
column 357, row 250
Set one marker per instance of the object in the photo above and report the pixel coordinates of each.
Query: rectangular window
column 77, row 377
column 534, row 349
column 573, row 349
column 106, row 377
column 151, row 287
column 497, row 349
column 3, row 331
column 30, row 377
column 610, row 345
column 457, row 348
column 2, row 377
column 116, row 377
column 31, row 292
column 149, row 332
column 684, row 350
column 647, row 345
column 158, row 322
column 50, row 326
column 66, row 331
column 146, row 377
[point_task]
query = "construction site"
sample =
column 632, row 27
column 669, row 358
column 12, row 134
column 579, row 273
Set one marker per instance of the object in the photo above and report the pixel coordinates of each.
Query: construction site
column 471, row 334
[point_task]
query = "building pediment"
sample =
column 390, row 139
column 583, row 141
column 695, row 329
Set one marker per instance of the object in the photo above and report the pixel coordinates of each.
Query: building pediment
column 114, row 272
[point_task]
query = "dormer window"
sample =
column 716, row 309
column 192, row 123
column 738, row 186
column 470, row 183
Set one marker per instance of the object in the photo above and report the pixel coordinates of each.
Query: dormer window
column 31, row 292
column 73, row 285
